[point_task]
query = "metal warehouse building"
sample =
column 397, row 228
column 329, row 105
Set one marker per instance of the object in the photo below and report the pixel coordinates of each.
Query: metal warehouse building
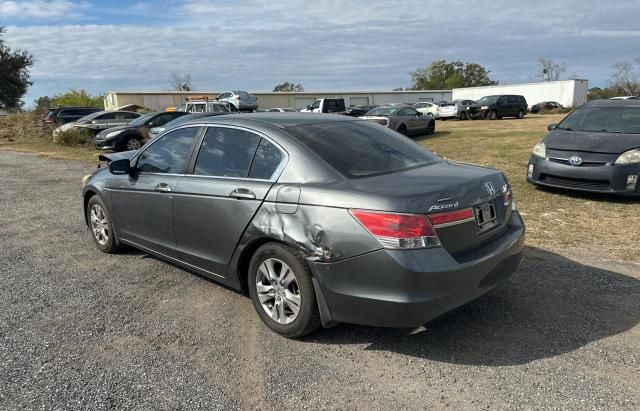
column 569, row 93
column 159, row 100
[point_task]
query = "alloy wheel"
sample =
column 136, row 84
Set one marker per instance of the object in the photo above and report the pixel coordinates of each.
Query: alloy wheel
column 278, row 291
column 133, row 144
column 99, row 224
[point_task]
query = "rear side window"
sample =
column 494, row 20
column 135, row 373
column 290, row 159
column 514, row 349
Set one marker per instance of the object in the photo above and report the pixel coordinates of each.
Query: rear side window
column 226, row 152
column 361, row 149
column 106, row 116
column 169, row 153
column 266, row 161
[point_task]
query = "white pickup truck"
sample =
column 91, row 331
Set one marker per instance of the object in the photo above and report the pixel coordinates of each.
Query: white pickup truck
column 327, row 105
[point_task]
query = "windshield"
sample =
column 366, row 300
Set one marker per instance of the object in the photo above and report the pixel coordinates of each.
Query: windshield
column 487, row 100
column 604, row 119
column 142, row 119
column 90, row 117
column 365, row 149
column 382, row 111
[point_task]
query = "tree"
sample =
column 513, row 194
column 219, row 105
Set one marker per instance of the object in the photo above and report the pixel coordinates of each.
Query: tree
column 181, row 82
column 15, row 77
column 443, row 75
column 288, row 87
column 549, row 70
column 42, row 104
column 80, row 97
column 627, row 78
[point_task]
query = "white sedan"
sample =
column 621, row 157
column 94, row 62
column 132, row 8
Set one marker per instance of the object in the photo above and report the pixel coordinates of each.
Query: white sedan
column 428, row 108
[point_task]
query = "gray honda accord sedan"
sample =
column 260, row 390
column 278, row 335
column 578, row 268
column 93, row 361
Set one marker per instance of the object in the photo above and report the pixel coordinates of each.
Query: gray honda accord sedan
column 322, row 219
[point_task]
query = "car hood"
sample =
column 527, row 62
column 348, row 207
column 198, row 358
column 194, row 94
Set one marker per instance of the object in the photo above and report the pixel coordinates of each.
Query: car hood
column 591, row 141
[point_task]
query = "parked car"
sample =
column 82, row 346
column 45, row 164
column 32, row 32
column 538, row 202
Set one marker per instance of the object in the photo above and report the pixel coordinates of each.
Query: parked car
column 403, row 119
column 282, row 110
column 496, row 107
column 205, row 106
column 595, row 148
column 57, row 116
column 156, row 131
column 379, row 232
column 455, row 109
column 426, row 107
column 133, row 135
column 240, row 99
column 99, row 121
column 359, row 111
column 326, row 105
column 546, row 105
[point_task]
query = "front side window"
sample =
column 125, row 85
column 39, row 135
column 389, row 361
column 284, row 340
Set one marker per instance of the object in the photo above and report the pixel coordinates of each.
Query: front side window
column 169, row 154
column 226, row 152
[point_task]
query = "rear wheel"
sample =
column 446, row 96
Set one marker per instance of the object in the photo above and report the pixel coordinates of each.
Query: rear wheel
column 402, row 129
column 521, row 114
column 133, row 144
column 282, row 291
column 463, row 115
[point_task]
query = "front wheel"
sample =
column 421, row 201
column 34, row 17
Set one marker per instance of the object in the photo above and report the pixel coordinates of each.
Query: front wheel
column 99, row 221
column 402, row 129
column 493, row 115
column 133, row 144
column 431, row 128
column 282, row 291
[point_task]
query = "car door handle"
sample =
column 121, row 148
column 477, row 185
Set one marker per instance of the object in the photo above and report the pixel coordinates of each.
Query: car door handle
column 243, row 193
column 163, row 188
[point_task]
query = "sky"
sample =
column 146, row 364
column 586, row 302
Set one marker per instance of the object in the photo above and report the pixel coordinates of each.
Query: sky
column 322, row 44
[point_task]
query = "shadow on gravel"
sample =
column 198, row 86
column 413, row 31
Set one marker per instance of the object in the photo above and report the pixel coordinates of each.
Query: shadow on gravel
column 551, row 306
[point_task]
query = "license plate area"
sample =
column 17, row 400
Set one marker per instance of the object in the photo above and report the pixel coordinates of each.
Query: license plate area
column 486, row 217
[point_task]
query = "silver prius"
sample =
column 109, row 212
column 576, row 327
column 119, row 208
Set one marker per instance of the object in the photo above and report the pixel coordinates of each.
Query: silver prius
column 321, row 219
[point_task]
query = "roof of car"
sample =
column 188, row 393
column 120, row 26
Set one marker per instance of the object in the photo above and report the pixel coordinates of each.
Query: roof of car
column 613, row 103
column 282, row 120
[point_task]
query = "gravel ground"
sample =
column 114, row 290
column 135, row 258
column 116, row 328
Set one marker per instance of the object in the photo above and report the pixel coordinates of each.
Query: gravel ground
column 80, row 329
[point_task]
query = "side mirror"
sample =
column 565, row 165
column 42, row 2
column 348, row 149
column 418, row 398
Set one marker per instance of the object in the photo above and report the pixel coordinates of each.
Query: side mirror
column 119, row 167
column 552, row 126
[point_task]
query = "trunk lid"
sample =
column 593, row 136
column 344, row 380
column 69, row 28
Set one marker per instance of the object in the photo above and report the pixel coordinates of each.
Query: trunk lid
column 436, row 188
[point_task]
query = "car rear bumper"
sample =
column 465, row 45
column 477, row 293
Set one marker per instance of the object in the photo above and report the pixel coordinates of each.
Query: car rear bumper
column 407, row 288
column 610, row 179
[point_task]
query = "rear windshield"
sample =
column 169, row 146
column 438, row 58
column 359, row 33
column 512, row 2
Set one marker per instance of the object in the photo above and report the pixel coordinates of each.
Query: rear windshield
column 359, row 149
column 604, row 119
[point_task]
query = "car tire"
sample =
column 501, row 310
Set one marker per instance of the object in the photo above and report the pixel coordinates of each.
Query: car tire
column 99, row 222
column 431, row 128
column 521, row 114
column 493, row 115
column 463, row 115
column 132, row 143
column 279, row 284
column 402, row 129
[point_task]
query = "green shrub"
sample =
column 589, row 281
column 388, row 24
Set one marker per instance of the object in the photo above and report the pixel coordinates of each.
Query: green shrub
column 73, row 138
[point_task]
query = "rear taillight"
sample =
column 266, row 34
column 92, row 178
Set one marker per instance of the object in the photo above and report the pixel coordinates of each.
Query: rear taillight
column 237, row 97
column 507, row 195
column 398, row 231
column 448, row 218
column 48, row 120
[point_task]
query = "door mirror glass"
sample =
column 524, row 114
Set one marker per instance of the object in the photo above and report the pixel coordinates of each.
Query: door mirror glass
column 119, row 167
column 552, row 126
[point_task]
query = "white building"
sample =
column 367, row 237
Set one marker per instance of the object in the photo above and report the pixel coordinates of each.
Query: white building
column 569, row 93
column 160, row 100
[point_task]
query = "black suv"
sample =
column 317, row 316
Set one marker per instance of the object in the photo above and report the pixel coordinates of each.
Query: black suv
column 496, row 107
column 58, row 116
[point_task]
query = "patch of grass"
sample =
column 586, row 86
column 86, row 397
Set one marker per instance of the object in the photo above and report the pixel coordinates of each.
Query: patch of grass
column 76, row 137
column 603, row 226
column 23, row 132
